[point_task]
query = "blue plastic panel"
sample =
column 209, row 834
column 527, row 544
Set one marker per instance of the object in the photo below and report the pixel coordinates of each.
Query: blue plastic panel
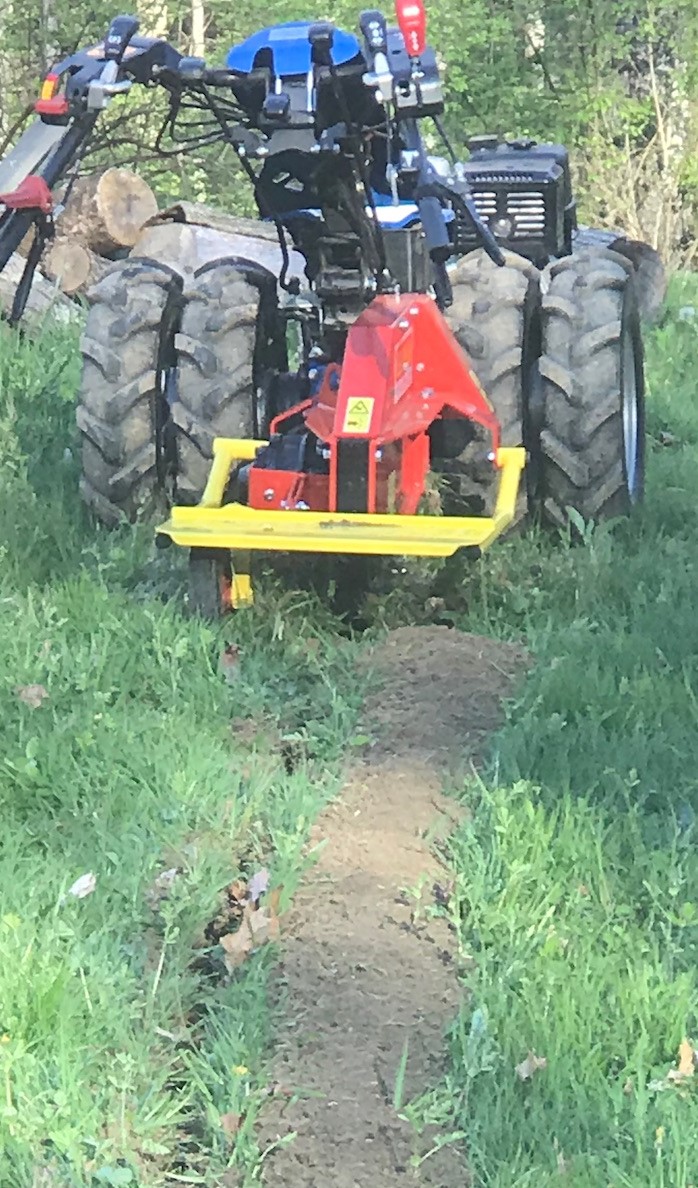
column 290, row 48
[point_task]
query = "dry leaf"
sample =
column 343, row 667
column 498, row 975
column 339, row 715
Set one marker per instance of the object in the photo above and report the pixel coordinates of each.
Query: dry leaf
column 257, row 928
column 629, row 1087
column 687, row 1062
column 230, row 1123
column 257, row 885
column 32, row 695
column 161, row 886
column 229, row 660
column 83, row 886
column 237, row 891
column 531, row 1065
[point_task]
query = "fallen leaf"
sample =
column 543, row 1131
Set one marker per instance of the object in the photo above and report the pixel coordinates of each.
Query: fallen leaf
column 229, row 660
column 273, row 901
column 161, row 886
column 230, row 1123
column 83, row 886
column 687, row 1062
column 629, row 1087
column 32, row 695
column 257, row 885
column 237, row 891
column 531, row 1065
column 257, row 927
column 237, row 947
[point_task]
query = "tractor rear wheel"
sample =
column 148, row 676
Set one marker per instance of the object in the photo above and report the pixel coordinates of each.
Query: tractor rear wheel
column 120, row 411
column 495, row 317
column 227, row 332
column 591, row 446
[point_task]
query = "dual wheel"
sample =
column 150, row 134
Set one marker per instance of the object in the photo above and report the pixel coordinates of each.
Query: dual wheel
column 560, row 358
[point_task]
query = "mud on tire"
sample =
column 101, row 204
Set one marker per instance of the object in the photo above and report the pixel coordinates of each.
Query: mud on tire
column 117, row 412
column 226, row 328
column 495, row 317
column 592, row 440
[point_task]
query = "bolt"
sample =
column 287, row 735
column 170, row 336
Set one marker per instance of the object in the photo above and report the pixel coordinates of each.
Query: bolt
column 269, row 494
column 420, row 367
column 414, row 310
column 404, row 324
column 427, row 393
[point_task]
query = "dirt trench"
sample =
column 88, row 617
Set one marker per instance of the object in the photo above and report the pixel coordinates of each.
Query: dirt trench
column 366, row 975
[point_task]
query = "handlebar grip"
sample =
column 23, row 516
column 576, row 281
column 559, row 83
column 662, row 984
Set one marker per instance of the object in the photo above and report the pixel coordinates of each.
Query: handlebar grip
column 196, row 70
column 435, row 233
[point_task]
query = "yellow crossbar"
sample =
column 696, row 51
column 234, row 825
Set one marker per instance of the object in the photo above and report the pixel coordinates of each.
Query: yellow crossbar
column 214, row 525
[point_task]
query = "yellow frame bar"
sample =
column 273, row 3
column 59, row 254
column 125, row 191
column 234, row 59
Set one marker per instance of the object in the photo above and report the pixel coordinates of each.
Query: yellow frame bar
column 214, row 525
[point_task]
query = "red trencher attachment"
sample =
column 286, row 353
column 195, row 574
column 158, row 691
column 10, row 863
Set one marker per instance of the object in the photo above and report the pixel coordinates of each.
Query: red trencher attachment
column 412, row 19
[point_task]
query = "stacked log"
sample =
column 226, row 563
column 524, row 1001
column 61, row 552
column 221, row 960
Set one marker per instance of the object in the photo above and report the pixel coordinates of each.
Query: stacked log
column 101, row 221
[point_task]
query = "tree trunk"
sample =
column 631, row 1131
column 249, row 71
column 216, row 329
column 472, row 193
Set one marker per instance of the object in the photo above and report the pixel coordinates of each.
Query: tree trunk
column 198, row 29
column 106, row 211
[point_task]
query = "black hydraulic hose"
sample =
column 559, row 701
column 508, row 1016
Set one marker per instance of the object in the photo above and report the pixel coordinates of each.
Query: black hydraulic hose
column 18, row 222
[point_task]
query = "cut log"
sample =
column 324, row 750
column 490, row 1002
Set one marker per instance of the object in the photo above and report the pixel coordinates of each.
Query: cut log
column 106, row 211
column 45, row 300
column 72, row 266
column 199, row 215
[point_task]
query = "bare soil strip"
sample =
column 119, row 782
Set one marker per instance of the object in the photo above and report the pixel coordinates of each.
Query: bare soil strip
column 368, row 975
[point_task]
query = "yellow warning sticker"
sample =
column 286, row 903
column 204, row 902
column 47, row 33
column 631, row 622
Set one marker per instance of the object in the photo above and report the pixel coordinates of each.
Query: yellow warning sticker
column 357, row 418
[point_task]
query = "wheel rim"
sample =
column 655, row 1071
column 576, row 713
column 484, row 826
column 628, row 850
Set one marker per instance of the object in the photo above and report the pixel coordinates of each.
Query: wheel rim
column 631, row 418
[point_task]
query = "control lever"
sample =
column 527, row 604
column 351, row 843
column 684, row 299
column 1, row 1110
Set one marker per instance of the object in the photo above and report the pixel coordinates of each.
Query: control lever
column 374, row 27
column 412, row 19
column 321, row 38
column 375, row 30
column 119, row 35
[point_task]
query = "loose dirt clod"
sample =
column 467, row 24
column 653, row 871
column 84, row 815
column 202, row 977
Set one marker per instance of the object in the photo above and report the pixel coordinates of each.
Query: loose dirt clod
column 367, row 974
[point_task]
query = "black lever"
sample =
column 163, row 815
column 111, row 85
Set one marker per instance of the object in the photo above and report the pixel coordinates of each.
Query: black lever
column 374, row 27
column 120, row 33
column 321, row 38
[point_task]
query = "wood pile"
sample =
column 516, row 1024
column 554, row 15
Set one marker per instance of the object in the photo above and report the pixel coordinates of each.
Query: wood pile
column 102, row 219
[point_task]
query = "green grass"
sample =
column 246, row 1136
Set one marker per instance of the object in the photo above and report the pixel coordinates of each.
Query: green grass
column 119, row 1050
column 576, row 885
column 576, row 901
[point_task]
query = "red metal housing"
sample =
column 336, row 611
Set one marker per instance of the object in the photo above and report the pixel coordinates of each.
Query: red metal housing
column 402, row 370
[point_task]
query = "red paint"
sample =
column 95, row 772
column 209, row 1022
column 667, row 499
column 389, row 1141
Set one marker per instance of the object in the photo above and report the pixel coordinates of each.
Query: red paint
column 404, row 370
column 412, row 19
column 31, row 194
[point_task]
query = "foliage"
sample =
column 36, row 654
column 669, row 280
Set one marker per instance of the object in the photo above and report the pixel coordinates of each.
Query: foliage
column 617, row 81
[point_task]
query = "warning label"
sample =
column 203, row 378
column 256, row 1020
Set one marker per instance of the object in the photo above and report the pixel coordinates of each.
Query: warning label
column 357, row 418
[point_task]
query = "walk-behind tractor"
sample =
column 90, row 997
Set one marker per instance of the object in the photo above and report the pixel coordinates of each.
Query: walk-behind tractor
column 418, row 321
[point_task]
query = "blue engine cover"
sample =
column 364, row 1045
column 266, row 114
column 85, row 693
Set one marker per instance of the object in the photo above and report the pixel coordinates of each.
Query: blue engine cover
column 290, row 49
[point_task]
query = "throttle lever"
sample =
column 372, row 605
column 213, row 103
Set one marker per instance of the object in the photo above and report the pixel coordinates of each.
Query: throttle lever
column 119, row 35
column 374, row 27
column 412, row 19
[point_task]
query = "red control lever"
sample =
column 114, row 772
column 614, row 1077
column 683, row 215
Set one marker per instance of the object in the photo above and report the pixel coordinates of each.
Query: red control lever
column 412, row 19
column 31, row 194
